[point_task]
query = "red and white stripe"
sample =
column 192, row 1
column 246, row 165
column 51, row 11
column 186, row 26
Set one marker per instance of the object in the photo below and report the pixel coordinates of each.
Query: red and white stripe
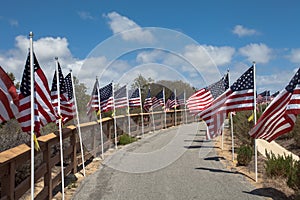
column 44, row 111
column 229, row 101
column 199, row 101
column 9, row 99
column 279, row 117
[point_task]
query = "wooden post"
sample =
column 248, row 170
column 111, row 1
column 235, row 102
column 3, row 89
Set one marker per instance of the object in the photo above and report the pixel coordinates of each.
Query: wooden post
column 47, row 175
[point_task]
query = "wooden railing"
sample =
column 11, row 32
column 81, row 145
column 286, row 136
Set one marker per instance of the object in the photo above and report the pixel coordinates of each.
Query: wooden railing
column 47, row 170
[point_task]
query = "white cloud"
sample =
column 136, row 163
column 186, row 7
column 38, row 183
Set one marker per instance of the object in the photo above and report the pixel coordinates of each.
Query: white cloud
column 13, row 22
column 122, row 24
column 46, row 49
column 150, row 56
column 243, row 31
column 208, row 56
column 206, row 60
column 85, row 15
column 294, row 56
column 259, row 53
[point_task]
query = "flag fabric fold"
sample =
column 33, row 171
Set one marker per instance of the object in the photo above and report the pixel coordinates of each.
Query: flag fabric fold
column 9, row 99
column 158, row 100
column 69, row 87
column 172, row 102
column 263, row 97
column 134, row 99
column 106, row 98
column 180, row 99
column 93, row 104
column 43, row 109
column 148, row 102
column 120, row 98
column 66, row 107
column 240, row 96
column 280, row 116
column 204, row 97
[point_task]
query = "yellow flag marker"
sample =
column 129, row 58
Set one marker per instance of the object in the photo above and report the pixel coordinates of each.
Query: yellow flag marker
column 36, row 143
column 251, row 118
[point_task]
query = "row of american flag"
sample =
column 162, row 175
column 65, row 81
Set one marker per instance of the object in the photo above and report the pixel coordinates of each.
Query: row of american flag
column 106, row 99
column 215, row 102
column 212, row 103
column 17, row 104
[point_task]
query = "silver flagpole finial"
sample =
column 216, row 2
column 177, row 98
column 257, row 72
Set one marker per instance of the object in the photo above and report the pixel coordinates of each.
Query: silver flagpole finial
column 31, row 34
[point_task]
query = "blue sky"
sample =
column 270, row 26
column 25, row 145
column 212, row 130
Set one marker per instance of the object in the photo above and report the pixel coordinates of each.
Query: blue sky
column 232, row 34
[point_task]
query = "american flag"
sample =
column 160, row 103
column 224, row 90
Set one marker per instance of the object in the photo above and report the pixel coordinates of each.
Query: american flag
column 120, row 98
column 9, row 99
column 263, row 97
column 93, row 104
column 181, row 99
column 280, row 116
column 135, row 98
column 106, row 98
column 172, row 102
column 240, row 96
column 69, row 88
column 43, row 109
column 148, row 102
column 66, row 107
column 203, row 98
column 158, row 100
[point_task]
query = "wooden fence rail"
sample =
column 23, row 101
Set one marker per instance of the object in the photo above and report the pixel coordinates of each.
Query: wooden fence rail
column 47, row 167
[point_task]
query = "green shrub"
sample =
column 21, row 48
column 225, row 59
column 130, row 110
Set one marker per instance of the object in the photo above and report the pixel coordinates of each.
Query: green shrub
column 280, row 166
column 294, row 177
column 244, row 155
column 126, row 139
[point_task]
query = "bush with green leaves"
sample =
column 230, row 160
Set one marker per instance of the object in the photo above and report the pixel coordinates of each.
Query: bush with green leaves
column 126, row 139
column 294, row 177
column 244, row 155
column 278, row 166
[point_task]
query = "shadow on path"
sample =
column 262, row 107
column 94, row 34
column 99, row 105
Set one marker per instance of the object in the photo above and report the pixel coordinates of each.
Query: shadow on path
column 223, row 171
column 215, row 158
column 268, row 192
column 201, row 141
column 200, row 146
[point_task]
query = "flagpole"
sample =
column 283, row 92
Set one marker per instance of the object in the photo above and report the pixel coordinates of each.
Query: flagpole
column 175, row 101
column 152, row 113
column 32, row 114
column 142, row 113
column 78, row 123
column 255, row 118
column 128, row 112
column 60, row 132
column 100, row 118
column 115, row 119
column 231, row 124
column 165, row 112
column 184, row 100
column 232, row 136
column 222, row 138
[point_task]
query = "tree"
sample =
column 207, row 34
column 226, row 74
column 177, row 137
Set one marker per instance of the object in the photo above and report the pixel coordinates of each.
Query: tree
column 82, row 98
column 13, row 78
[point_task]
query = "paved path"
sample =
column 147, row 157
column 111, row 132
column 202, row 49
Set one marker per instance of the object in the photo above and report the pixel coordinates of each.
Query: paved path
column 171, row 164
